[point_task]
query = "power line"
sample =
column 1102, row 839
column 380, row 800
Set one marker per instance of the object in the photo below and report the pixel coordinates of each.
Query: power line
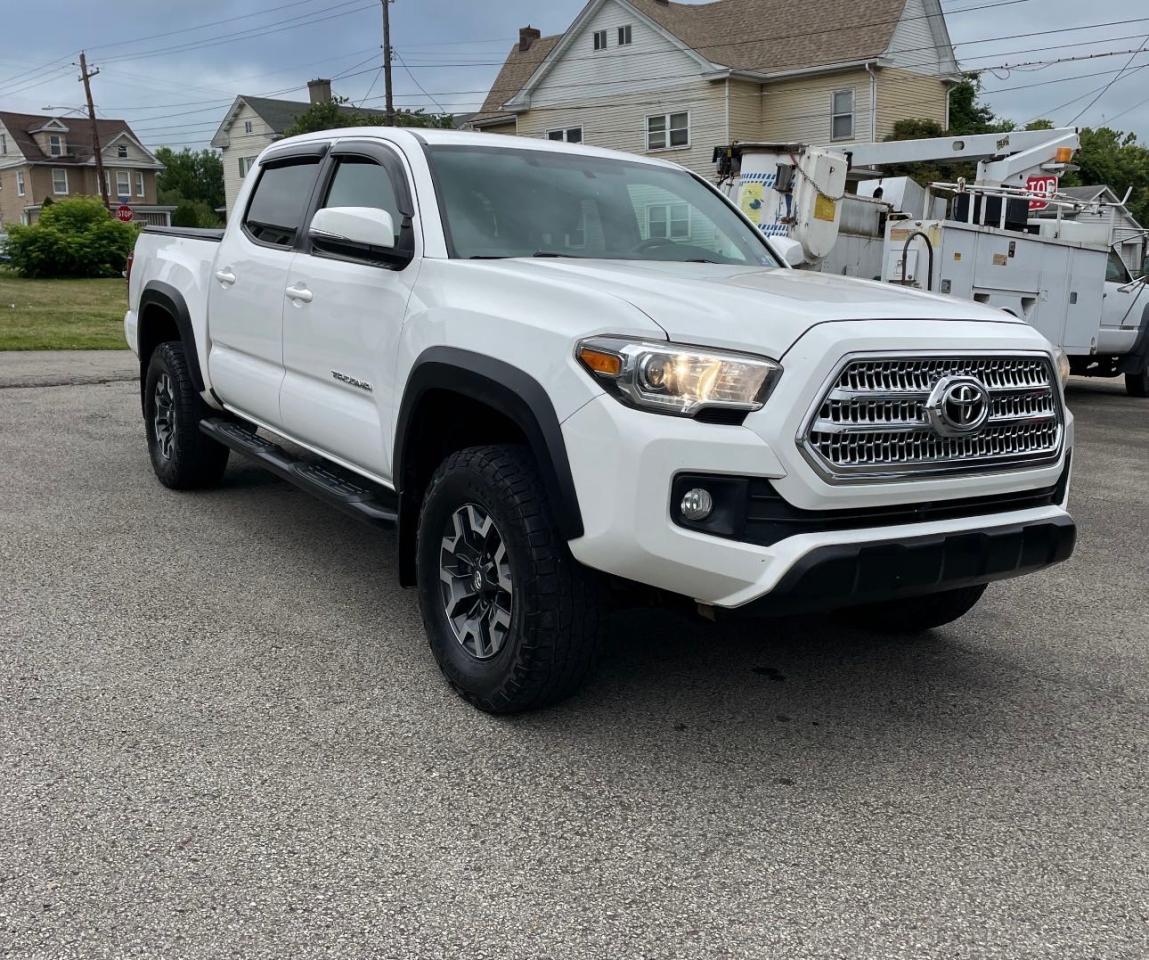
column 1103, row 90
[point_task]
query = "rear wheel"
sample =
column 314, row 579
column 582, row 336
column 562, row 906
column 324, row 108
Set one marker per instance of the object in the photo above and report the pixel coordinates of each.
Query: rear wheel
column 914, row 614
column 182, row 457
column 1137, row 384
column 511, row 616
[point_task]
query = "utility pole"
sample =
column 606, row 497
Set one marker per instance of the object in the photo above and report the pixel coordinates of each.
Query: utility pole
column 85, row 76
column 387, row 61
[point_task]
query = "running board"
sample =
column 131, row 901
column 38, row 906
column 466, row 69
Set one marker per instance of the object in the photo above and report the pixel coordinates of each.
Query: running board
column 341, row 488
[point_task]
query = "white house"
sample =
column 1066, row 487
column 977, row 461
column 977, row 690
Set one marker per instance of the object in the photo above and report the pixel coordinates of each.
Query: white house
column 655, row 77
column 1125, row 233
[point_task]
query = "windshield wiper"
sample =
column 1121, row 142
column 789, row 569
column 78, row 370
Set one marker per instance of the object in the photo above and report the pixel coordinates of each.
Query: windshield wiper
column 486, row 256
column 700, row 260
column 553, row 254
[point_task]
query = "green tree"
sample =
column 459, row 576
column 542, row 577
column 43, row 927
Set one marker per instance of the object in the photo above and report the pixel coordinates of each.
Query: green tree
column 76, row 237
column 192, row 175
column 336, row 113
column 1116, row 159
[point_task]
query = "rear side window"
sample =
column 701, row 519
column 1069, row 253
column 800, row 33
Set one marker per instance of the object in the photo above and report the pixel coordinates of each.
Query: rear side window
column 276, row 209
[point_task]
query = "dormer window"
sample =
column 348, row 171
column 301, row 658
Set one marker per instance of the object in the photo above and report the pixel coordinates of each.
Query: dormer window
column 55, row 145
column 600, row 39
column 624, row 39
column 122, row 151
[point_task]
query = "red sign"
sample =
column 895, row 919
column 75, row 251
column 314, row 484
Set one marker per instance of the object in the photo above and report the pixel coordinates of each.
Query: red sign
column 124, row 213
column 1042, row 186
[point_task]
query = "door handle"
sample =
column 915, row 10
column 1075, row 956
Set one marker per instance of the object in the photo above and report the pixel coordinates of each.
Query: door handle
column 225, row 277
column 300, row 294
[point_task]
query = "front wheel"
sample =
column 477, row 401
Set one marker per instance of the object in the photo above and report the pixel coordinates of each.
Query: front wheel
column 182, row 457
column 512, row 618
column 914, row 614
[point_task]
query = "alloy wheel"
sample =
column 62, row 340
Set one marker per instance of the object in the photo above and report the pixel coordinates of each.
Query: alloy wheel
column 475, row 581
column 164, row 417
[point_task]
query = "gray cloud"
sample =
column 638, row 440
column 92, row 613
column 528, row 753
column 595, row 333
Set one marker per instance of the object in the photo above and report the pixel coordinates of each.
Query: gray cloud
column 175, row 88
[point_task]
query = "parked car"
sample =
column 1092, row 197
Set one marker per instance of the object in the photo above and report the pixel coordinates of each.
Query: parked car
column 565, row 375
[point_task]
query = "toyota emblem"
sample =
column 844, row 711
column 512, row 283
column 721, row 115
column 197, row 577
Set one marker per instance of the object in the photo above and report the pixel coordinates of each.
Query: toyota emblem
column 958, row 406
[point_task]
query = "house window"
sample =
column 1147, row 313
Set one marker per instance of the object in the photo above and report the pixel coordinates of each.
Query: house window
column 667, row 130
column 245, row 164
column 600, row 39
column 624, row 36
column 668, row 221
column 247, row 126
column 122, row 151
column 3, row 143
column 19, row 183
column 842, row 115
column 123, row 183
column 139, row 183
column 59, row 180
column 56, row 145
column 569, row 135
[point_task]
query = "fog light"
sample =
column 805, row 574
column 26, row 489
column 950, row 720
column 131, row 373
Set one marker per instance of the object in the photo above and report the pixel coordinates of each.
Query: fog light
column 697, row 504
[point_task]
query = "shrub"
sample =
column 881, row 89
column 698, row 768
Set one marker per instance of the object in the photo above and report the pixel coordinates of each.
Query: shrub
column 194, row 213
column 76, row 237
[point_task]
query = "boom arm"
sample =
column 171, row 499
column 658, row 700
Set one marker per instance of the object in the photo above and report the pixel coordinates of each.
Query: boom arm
column 1001, row 155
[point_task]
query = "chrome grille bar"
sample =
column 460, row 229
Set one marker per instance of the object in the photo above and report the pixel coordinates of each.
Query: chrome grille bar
column 872, row 422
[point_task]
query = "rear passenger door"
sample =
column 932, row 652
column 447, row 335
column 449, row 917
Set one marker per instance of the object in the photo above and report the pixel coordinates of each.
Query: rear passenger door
column 249, row 280
column 341, row 329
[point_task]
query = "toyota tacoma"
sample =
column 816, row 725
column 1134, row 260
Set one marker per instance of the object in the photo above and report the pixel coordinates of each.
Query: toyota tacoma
column 565, row 375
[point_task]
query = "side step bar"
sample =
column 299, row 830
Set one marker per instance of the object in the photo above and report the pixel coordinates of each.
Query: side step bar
column 342, row 489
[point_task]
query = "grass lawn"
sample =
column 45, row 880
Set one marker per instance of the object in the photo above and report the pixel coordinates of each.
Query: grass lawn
column 62, row 314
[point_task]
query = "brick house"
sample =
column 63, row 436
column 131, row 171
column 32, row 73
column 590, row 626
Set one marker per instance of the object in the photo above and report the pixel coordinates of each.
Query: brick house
column 42, row 157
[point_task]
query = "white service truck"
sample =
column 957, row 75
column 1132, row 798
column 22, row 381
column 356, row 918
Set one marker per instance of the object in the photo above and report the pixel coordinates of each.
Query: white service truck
column 565, row 375
column 1061, row 276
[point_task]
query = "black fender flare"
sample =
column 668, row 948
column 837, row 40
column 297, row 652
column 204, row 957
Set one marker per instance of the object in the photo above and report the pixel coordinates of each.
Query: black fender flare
column 513, row 393
column 163, row 295
column 1137, row 359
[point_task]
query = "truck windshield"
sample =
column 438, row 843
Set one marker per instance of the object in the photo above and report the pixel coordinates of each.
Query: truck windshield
column 498, row 202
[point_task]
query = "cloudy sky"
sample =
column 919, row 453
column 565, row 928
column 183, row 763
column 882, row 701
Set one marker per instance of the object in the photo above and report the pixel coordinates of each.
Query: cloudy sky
column 171, row 67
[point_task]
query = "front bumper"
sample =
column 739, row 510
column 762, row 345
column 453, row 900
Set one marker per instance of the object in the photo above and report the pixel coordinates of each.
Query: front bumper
column 624, row 463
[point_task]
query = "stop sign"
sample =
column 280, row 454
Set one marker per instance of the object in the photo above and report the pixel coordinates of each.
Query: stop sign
column 1046, row 185
column 124, row 213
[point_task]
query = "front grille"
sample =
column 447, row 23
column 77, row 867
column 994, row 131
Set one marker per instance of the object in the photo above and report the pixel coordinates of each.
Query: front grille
column 872, row 422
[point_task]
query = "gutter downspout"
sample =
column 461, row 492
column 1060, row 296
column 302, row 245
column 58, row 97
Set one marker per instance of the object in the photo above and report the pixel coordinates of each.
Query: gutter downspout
column 873, row 102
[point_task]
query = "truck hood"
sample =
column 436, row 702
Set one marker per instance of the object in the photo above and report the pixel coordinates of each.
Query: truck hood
column 762, row 309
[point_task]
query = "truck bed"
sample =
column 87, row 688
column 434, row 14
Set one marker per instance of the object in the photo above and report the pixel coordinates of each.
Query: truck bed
column 192, row 233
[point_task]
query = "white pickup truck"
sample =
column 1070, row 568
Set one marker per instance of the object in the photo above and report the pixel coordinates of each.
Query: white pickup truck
column 567, row 376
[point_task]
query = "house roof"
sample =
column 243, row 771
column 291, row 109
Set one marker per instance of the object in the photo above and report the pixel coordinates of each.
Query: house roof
column 1085, row 193
column 771, row 36
column 281, row 114
column 516, row 71
column 21, row 125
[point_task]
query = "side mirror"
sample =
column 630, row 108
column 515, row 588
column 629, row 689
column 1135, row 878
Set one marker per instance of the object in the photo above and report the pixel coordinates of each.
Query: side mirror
column 354, row 226
column 790, row 251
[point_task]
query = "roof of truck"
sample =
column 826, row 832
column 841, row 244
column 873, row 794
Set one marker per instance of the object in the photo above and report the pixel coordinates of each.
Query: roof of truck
column 469, row 138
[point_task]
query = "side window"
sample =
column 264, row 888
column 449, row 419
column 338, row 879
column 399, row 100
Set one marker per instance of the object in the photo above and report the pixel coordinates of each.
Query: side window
column 362, row 183
column 1115, row 270
column 280, row 198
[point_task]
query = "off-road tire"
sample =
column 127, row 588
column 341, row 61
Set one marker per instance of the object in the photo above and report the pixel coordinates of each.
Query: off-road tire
column 1137, row 384
column 553, row 638
column 192, row 459
column 914, row 614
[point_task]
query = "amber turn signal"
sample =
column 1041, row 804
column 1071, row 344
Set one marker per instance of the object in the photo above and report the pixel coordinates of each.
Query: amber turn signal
column 608, row 364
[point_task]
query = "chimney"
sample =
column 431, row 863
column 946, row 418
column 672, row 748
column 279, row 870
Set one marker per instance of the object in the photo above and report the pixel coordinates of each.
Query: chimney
column 319, row 91
column 527, row 36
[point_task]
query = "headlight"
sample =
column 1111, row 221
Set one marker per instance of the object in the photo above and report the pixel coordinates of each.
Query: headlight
column 1062, row 362
column 676, row 379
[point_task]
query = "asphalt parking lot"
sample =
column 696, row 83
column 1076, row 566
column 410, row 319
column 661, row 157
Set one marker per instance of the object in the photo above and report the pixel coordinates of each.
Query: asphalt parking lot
column 222, row 735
